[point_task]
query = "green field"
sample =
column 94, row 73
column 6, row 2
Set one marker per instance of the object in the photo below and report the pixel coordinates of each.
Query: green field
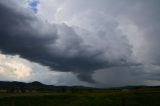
column 141, row 97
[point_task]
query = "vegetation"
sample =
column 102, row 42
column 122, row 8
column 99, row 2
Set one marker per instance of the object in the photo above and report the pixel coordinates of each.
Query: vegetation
column 45, row 95
column 140, row 97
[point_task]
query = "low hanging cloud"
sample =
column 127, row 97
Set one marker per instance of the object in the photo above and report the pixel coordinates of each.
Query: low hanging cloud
column 62, row 48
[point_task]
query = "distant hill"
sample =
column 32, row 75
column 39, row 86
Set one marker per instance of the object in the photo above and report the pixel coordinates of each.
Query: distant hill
column 37, row 86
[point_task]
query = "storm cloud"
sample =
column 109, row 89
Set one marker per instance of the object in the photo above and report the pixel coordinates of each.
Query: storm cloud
column 98, row 37
column 60, row 46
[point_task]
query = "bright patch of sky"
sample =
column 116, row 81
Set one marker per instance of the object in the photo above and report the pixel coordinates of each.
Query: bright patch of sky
column 33, row 4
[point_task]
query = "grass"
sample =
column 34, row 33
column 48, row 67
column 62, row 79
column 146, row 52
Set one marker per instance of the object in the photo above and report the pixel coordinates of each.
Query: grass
column 94, row 98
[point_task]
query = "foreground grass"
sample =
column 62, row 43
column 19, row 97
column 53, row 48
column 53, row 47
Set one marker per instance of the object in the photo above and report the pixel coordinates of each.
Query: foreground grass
column 95, row 98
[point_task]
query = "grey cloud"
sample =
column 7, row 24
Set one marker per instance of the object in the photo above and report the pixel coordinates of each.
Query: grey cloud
column 59, row 46
column 145, row 15
column 93, row 47
column 101, row 18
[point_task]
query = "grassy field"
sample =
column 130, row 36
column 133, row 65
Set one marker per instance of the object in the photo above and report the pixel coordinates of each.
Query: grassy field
column 141, row 97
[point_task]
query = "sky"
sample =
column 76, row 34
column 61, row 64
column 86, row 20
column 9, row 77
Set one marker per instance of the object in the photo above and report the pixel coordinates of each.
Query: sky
column 98, row 43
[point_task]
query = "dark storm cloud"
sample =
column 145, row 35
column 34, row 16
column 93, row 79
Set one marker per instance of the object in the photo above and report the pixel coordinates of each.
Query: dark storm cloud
column 58, row 46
